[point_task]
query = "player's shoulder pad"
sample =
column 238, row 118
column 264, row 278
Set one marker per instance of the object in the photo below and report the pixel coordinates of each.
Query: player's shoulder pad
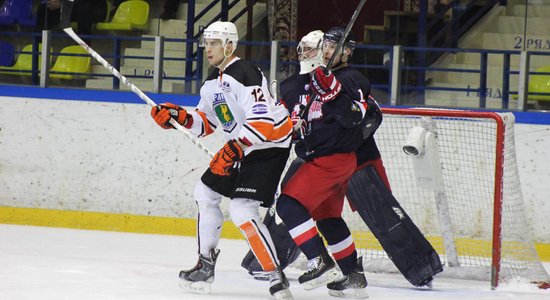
column 296, row 83
column 351, row 74
column 245, row 73
column 352, row 80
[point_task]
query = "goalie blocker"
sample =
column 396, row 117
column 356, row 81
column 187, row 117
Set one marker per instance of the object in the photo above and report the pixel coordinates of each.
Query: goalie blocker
column 405, row 245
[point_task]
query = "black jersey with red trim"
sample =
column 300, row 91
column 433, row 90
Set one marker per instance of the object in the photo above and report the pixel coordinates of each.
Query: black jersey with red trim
column 332, row 126
column 295, row 91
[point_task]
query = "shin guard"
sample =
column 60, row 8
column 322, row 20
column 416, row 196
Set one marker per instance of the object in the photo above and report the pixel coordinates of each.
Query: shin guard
column 287, row 250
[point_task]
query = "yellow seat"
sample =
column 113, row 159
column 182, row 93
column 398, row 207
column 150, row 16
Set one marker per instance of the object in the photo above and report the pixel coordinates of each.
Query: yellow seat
column 23, row 63
column 72, row 64
column 130, row 15
column 540, row 84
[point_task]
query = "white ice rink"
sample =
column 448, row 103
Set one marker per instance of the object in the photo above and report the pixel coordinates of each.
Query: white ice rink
column 54, row 263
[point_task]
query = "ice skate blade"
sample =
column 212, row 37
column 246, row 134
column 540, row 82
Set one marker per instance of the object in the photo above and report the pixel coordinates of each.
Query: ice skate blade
column 349, row 293
column 260, row 275
column 283, row 295
column 196, row 287
column 328, row 276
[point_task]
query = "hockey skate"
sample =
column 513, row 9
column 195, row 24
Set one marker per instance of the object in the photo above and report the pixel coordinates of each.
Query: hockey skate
column 352, row 285
column 321, row 270
column 278, row 285
column 428, row 283
column 198, row 279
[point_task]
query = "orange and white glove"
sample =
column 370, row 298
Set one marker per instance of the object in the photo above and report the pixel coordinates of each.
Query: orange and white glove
column 223, row 160
column 162, row 114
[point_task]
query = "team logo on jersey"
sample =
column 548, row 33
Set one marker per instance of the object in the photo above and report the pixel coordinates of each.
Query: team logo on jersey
column 223, row 112
column 224, row 85
column 259, row 109
column 355, row 106
column 315, row 111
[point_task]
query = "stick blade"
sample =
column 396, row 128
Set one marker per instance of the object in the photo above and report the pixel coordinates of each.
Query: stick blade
column 66, row 11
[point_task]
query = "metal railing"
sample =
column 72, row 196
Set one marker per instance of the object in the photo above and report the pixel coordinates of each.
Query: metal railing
column 393, row 80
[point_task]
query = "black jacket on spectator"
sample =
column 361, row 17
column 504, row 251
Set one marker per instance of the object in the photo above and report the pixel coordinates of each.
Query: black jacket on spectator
column 85, row 13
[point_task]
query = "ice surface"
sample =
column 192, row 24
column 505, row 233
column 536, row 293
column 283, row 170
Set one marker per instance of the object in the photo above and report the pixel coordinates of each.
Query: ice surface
column 58, row 263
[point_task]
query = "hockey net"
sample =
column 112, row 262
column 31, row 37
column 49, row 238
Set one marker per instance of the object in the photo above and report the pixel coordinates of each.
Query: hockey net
column 475, row 217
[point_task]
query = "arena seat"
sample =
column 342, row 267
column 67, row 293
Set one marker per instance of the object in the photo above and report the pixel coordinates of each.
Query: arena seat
column 7, row 53
column 540, row 84
column 80, row 65
column 129, row 15
column 23, row 64
column 17, row 12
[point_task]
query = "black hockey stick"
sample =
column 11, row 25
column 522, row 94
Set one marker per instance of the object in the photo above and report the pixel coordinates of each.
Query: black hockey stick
column 339, row 47
column 65, row 21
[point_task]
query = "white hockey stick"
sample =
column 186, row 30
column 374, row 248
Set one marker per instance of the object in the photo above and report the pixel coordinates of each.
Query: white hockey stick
column 134, row 88
column 274, row 86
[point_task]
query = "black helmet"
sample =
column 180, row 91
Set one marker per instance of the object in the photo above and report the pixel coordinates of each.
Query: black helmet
column 334, row 35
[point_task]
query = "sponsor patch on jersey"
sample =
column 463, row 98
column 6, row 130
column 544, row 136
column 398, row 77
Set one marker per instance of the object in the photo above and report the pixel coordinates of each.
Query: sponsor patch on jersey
column 223, row 112
column 259, row 109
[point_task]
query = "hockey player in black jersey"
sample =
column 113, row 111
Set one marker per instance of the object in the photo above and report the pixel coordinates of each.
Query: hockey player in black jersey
column 370, row 190
column 312, row 200
column 418, row 262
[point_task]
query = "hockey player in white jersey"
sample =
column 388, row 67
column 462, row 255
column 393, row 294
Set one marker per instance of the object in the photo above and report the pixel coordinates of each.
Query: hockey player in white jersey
column 247, row 169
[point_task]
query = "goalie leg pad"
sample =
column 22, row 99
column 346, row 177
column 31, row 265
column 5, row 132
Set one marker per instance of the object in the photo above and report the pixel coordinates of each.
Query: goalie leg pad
column 406, row 246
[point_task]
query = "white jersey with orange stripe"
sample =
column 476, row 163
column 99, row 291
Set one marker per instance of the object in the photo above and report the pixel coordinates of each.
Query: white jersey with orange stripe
column 239, row 100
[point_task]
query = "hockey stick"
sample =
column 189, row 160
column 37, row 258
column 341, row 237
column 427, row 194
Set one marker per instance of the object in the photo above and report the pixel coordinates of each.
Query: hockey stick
column 275, row 89
column 65, row 21
column 338, row 48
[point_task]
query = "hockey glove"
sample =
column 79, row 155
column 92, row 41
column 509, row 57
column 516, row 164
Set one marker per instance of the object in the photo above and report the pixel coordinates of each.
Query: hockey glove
column 224, row 159
column 326, row 86
column 163, row 112
column 299, row 126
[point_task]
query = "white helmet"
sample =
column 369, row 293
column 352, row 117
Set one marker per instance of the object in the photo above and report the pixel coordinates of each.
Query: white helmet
column 309, row 50
column 224, row 31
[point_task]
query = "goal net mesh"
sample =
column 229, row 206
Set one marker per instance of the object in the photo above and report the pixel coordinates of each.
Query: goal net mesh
column 468, row 145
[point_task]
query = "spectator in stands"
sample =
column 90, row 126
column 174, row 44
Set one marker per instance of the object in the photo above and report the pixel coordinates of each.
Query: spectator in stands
column 85, row 13
column 171, row 9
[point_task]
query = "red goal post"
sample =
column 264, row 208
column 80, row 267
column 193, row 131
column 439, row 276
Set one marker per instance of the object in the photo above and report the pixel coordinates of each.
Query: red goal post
column 463, row 193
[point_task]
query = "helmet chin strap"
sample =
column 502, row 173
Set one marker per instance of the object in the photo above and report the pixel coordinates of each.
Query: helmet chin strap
column 341, row 62
column 225, row 57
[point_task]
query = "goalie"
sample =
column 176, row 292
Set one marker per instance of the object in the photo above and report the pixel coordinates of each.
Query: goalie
column 369, row 189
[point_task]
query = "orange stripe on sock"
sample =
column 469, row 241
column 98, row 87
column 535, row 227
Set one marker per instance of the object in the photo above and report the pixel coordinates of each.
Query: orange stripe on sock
column 258, row 246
